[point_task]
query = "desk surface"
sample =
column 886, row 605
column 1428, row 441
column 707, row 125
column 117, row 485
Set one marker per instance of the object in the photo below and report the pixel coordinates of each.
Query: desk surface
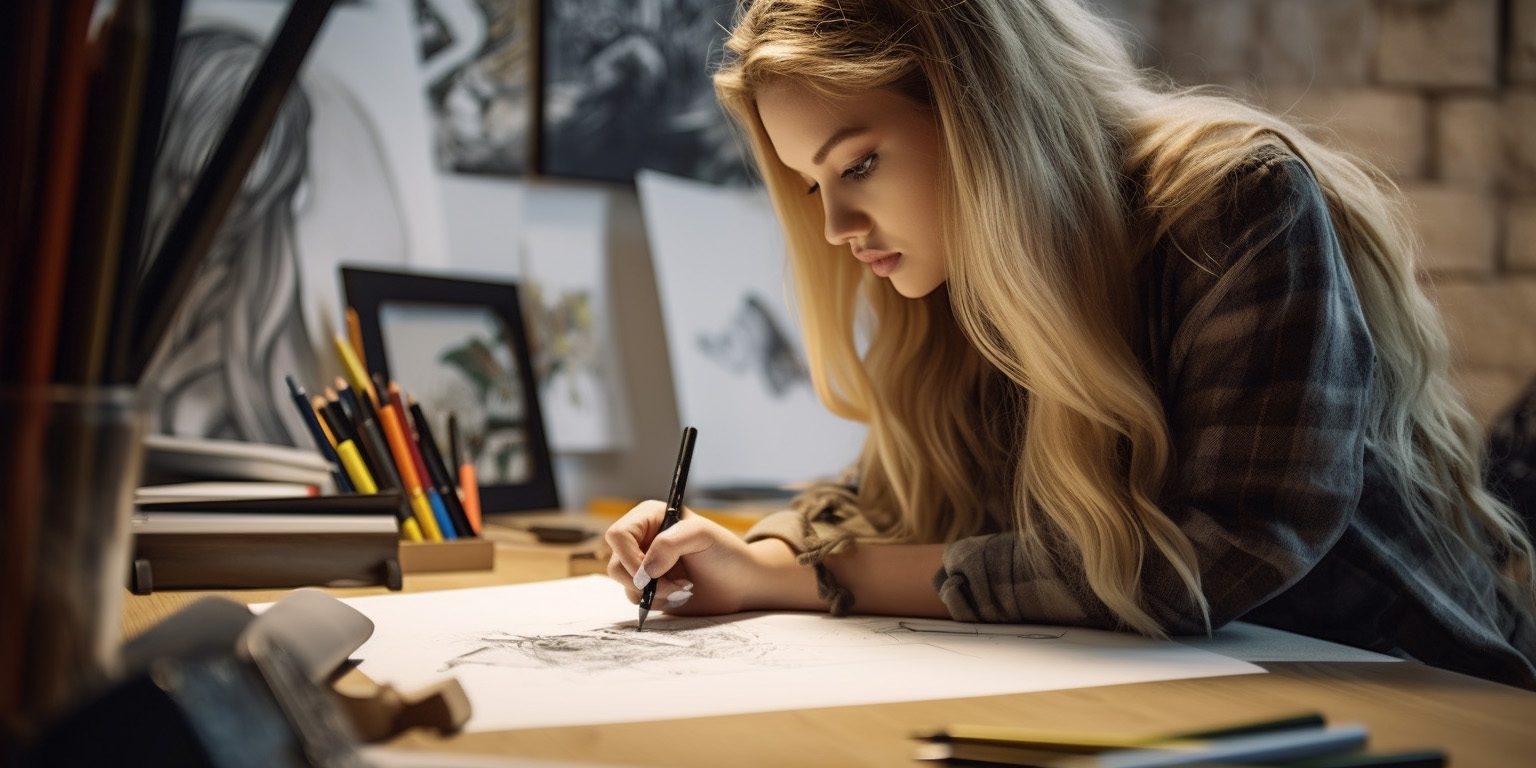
column 1404, row 705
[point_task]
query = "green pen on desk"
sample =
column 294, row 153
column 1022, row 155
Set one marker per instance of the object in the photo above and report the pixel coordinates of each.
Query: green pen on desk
column 674, row 511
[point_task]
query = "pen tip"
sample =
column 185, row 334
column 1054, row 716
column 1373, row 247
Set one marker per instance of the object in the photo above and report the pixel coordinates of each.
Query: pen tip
column 641, row 624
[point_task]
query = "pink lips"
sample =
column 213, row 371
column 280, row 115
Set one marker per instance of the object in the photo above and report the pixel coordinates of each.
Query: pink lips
column 880, row 262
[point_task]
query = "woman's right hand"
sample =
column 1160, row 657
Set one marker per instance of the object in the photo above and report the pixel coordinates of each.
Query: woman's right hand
column 703, row 568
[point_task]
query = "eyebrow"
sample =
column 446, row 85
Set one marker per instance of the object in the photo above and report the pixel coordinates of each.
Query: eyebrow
column 843, row 133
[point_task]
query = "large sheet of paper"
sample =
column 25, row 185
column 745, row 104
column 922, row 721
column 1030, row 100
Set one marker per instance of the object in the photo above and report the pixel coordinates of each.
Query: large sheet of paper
column 566, row 652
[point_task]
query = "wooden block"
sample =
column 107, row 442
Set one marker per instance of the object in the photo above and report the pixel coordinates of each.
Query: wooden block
column 264, row 560
column 455, row 555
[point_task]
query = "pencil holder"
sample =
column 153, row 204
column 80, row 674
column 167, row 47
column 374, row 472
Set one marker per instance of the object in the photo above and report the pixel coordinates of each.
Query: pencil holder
column 72, row 458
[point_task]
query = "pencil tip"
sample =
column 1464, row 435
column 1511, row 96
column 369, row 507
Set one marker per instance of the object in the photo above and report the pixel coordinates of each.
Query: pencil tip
column 641, row 624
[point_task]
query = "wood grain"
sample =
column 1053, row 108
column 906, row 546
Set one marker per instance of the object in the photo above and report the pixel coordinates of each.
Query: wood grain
column 1404, row 705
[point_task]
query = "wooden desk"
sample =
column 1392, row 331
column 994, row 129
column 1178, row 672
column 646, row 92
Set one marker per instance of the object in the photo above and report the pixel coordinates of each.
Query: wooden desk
column 1404, row 705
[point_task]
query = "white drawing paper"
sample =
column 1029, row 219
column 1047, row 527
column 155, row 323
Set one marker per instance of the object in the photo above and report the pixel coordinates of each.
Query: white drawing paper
column 738, row 362
column 566, row 652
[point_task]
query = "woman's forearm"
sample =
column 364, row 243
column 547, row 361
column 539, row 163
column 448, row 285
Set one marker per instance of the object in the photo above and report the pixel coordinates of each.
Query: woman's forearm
column 885, row 579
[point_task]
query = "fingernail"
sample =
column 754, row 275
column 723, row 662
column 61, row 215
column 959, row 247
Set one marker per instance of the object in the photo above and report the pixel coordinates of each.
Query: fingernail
column 678, row 598
column 686, row 586
column 641, row 578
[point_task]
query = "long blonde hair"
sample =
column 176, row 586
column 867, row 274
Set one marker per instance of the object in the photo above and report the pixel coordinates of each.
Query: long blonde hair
column 1018, row 377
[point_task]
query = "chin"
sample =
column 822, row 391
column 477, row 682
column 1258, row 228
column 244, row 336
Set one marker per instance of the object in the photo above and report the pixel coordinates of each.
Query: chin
column 915, row 290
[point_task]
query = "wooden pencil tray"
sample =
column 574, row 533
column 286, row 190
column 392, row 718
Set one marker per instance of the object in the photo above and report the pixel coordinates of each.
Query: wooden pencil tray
column 264, row 560
column 475, row 554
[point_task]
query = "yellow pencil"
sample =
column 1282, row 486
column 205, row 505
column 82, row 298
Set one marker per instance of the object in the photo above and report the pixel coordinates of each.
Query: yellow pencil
column 356, row 372
column 356, row 469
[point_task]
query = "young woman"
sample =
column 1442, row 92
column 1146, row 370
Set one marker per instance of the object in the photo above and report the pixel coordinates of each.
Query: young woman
column 1130, row 357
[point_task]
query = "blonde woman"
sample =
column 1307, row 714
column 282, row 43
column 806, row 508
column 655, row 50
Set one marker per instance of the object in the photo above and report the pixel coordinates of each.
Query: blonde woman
column 1130, row 357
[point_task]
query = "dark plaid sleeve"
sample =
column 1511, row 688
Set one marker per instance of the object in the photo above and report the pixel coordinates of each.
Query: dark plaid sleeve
column 1261, row 355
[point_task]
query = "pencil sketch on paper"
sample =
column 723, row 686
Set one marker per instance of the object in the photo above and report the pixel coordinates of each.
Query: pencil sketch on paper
column 626, row 86
column 478, row 65
column 241, row 329
column 677, row 646
column 574, row 643
column 752, row 342
column 339, row 177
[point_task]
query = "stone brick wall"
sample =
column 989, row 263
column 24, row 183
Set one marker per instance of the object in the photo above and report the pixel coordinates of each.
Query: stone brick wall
column 1441, row 94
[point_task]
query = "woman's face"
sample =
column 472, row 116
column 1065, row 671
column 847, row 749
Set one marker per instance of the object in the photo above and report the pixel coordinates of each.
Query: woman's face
column 874, row 162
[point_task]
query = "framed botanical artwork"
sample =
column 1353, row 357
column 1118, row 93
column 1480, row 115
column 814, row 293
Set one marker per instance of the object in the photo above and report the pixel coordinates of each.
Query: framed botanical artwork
column 459, row 348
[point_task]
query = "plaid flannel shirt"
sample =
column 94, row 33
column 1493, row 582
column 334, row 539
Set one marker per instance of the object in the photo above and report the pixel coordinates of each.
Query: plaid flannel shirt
column 1258, row 347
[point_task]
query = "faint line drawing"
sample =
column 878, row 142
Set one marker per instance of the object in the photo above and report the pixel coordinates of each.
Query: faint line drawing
column 673, row 646
column 752, row 342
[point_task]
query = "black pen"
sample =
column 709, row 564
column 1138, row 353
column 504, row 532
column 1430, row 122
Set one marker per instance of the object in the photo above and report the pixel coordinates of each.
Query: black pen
column 674, row 511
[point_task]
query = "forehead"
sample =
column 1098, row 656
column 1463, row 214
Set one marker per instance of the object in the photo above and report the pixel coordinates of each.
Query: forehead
column 798, row 118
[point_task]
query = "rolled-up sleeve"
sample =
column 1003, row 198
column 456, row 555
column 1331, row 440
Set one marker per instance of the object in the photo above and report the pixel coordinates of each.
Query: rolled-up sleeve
column 1263, row 361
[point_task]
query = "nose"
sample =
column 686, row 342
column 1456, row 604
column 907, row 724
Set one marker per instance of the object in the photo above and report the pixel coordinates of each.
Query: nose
column 844, row 221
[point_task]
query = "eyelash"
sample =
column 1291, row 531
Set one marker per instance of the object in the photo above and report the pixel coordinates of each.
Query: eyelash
column 857, row 172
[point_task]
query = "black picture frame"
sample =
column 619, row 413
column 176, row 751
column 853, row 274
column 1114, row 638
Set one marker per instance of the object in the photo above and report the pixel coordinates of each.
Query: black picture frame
column 462, row 335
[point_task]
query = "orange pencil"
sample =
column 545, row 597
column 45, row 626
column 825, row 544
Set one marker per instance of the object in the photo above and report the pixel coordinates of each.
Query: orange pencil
column 355, row 333
column 469, row 487
column 469, row 495
column 434, row 499
column 399, row 445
